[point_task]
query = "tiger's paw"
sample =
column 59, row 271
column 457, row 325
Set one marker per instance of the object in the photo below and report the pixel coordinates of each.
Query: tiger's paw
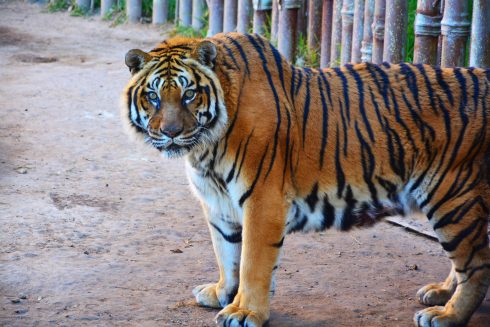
column 434, row 294
column 213, row 296
column 437, row 317
column 233, row 316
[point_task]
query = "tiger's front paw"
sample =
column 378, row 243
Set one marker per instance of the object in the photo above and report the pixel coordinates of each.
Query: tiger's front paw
column 234, row 316
column 213, row 295
column 434, row 294
column 437, row 317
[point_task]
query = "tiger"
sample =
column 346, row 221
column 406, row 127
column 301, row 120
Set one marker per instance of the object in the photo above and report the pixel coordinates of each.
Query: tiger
column 271, row 149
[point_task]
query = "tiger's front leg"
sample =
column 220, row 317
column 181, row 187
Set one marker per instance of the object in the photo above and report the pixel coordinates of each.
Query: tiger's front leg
column 263, row 232
column 226, row 235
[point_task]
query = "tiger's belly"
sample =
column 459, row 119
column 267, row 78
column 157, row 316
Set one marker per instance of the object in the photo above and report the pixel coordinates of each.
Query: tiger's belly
column 317, row 214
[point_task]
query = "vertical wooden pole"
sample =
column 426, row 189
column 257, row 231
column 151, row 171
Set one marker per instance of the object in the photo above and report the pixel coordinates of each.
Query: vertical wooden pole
column 185, row 13
column 106, row 6
column 215, row 17
column 357, row 31
column 336, row 33
column 275, row 21
column 302, row 21
column 244, row 11
column 378, row 31
column 326, row 33
column 176, row 12
column 230, row 16
column 347, row 25
column 133, row 10
column 480, row 34
column 160, row 12
column 288, row 19
column 367, row 40
column 427, row 31
column 262, row 10
column 198, row 7
column 455, row 28
column 83, row 4
column 395, row 31
column 314, row 24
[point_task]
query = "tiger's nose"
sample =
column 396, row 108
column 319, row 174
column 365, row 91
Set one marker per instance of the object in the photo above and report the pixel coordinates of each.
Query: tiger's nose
column 171, row 130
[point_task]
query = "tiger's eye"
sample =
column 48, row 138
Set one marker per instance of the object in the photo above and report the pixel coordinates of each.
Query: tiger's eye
column 189, row 94
column 152, row 96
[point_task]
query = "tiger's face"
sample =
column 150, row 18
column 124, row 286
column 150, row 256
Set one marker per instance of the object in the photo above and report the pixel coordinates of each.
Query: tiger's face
column 174, row 99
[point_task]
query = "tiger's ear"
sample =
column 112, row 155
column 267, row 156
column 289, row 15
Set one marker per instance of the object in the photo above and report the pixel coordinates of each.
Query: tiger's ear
column 136, row 59
column 205, row 53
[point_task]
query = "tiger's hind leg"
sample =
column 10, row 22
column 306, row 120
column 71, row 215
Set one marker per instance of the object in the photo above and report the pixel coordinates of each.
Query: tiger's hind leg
column 460, row 222
column 439, row 293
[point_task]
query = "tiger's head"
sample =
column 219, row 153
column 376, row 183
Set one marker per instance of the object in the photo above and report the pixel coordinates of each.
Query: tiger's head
column 174, row 100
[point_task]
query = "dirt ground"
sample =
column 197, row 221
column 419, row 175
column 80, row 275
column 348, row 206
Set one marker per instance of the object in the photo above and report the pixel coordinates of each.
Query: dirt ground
column 96, row 231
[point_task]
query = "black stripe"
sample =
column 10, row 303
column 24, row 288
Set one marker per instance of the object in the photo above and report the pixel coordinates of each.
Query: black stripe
column 338, row 167
column 368, row 164
column 428, row 85
column 232, row 170
column 276, row 99
column 453, row 244
column 293, row 75
column 349, row 218
column 243, row 155
column 249, row 192
column 306, row 108
column 242, row 53
column 442, row 83
column 360, row 90
column 328, row 213
column 231, row 238
column 278, row 245
column 324, row 123
column 345, row 88
column 312, row 198
column 278, row 60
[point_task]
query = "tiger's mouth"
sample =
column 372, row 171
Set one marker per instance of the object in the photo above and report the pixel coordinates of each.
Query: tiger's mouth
column 178, row 146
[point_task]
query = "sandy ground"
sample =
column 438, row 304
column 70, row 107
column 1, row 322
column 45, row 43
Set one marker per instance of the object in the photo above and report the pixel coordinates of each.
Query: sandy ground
column 95, row 231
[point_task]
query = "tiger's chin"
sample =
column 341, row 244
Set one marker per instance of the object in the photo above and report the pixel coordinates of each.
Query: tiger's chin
column 173, row 149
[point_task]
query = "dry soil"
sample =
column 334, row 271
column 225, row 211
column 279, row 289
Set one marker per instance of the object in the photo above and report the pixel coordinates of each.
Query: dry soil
column 96, row 231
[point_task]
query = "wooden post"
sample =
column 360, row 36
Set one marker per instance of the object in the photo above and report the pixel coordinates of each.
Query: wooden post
column 215, row 17
column 357, row 31
column 336, row 33
column 326, row 33
column 455, row 28
column 314, row 24
column 275, row 21
column 480, row 35
column 367, row 40
column 84, row 5
column 262, row 9
column 302, row 21
column 106, row 6
column 160, row 12
column 395, row 31
column 378, row 31
column 243, row 20
column 176, row 12
column 133, row 10
column 288, row 19
column 198, row 7
column 427, row 31
column 185, row 13
column 230, row 16
column 347, row 24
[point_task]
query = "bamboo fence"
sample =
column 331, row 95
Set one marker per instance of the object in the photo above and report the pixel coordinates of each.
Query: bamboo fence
column 446, row 33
